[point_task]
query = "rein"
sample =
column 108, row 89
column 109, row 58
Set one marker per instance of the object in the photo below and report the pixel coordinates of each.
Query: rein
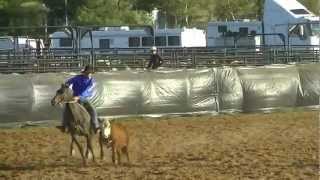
column 71, row 102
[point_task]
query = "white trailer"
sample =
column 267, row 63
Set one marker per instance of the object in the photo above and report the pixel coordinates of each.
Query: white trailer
column 18, row 43
column 233, row 33
column 285, row 23
column 298, row 25
column 123, row 37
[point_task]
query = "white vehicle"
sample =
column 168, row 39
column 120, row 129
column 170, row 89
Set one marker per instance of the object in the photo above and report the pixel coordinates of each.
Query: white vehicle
column 290, row 18
column 6, row 43
column 123, row 37
column 285, row 23
column 18, row 43
column 234, row 33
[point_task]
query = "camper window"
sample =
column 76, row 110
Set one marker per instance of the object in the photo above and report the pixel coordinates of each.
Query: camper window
column 253, row 33
column 299, row 11
column 222, row 29
column 173, row 41
column 315, row 29
column 294, row 31
column 243, row 31
column 104, row 43
column 147, row 41
column 300, row 30
column 134, row 41
column 65, row 42
column 161, row 41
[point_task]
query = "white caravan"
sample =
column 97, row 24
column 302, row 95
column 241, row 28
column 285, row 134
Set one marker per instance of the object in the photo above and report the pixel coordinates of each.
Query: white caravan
column 234, row 33
column 285, row 23
column 123, row 37
column 18, row 43
column 298, row 25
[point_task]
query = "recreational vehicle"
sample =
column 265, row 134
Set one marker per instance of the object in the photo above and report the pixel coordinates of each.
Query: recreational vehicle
column 124, row 37
column 285, row 23
column 234, row 34
column 19, row 44
column 298, row 25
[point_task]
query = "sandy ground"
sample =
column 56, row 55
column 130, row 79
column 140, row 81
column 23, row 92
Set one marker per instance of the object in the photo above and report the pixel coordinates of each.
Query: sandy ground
column 283, row 145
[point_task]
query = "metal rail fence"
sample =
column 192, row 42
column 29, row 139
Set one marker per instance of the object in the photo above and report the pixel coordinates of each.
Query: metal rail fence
column 58, row 60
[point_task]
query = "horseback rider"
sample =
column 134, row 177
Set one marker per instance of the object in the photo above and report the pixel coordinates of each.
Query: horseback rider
column 83, row 86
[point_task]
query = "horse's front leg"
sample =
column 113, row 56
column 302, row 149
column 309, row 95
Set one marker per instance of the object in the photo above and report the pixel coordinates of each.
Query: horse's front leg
column 101, row 146
column 72, row 152
column 80, row 149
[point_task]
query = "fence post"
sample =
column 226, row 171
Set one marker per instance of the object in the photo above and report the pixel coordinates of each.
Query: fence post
column 216, row 90
column 194, row 60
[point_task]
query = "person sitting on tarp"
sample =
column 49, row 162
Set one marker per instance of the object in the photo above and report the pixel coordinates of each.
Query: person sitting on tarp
column 155, row 60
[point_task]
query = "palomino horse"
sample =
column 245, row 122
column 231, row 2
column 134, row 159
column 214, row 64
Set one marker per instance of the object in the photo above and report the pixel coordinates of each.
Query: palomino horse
column 78, row 120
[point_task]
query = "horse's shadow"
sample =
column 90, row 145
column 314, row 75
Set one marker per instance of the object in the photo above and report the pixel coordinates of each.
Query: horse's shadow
column 40, row 166
column 7, row 167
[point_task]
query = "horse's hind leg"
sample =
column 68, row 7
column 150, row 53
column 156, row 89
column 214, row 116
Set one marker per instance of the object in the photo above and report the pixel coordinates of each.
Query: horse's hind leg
column 87, row 152
column 90, row 147
column 80, row 149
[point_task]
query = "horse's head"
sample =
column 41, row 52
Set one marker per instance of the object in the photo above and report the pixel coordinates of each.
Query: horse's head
column 64, row 94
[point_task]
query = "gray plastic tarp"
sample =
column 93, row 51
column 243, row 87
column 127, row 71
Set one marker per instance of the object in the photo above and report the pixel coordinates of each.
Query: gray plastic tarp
column 27, row 97
column 268, row 87
column 310, row 84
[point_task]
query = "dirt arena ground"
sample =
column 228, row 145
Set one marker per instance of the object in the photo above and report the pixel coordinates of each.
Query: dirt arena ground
column 282, row 145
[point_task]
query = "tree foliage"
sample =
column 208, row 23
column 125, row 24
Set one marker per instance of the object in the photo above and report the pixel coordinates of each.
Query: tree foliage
column 173, row 13
column 110, row 12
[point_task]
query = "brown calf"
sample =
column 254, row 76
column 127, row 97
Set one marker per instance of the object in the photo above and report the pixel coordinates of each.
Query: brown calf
column 114, row 135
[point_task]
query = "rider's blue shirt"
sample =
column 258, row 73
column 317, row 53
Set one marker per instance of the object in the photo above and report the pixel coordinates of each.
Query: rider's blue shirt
column 82, row 86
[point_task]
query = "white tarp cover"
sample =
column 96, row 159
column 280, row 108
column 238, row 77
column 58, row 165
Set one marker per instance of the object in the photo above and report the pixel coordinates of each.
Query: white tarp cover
column 310, row 85
column 244, row 89
column 268, row 87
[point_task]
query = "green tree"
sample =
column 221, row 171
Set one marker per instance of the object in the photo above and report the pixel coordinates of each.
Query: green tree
column 188, row 12
column 21, row 13
column 177, row 13
column 173, row 13
column 110, row 12
column 312, row 5
column 4, row 20
column 60, row 8
column 232, row 10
